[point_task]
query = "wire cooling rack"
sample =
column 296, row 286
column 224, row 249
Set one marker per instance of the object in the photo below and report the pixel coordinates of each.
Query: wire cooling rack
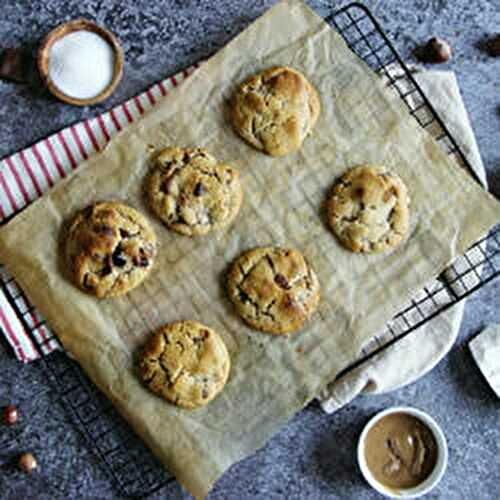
column 131, row 466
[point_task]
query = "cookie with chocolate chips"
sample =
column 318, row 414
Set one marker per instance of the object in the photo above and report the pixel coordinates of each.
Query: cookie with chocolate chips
column 110, row 248
column 185, row 363
column 368, row 209
column 191, row 192
column 273, row 289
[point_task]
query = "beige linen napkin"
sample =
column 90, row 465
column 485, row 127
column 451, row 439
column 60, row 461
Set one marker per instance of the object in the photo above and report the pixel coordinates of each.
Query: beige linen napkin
column 485, row 349
column 416, row 354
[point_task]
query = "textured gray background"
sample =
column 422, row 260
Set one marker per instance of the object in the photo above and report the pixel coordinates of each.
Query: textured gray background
column 314, row 455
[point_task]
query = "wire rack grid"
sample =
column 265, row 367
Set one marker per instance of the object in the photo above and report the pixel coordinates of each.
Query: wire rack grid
column 130, row 465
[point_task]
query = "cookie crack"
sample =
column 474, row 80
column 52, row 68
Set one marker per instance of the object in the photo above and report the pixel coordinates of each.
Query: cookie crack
column 298, row 279
column 384, row 174
column 148, row 380
column 246, row 274
column 255, row 131
column 179, row 219
column 171, row 379
column 210, row 174
column 258, row 132
column 271, row 263
column 159, row 365
column 355, row 220
column 246, row 299
column 309, row 279
column 267, row 311
column 351, row 219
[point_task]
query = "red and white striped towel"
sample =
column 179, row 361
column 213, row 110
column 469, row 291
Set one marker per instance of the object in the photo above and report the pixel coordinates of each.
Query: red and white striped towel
column 26, row 175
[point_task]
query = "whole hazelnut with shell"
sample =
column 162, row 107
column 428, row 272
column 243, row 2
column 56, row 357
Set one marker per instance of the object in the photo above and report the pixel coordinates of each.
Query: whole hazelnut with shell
column 10, row 415
column 27, row 463
column 494, row 46
column 436, row 50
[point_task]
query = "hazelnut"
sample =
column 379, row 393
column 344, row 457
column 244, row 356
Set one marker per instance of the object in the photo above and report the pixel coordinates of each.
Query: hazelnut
column 27, row 462
column 13, row 65
column 436, row 50
column 494, row 46
column 10, row 415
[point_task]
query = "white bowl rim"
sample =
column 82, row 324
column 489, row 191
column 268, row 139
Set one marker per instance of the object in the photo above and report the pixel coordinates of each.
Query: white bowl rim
column 435, row 476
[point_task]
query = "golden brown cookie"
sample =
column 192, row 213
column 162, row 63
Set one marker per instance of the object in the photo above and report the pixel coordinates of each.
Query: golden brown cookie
column 273, row 289
column 191, row 192
column 185, row 363
column 368, row 209
column 275, row 110
column 110, row 248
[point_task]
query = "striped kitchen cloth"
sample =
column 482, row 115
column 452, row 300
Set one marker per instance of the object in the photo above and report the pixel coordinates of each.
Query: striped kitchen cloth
column 26, row 175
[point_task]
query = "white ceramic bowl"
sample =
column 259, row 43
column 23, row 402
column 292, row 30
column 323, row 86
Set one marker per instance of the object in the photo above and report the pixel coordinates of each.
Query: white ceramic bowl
column 436, row 474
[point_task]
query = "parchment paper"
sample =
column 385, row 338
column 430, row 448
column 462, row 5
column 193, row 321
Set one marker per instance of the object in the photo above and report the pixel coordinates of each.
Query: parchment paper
column 271, row 377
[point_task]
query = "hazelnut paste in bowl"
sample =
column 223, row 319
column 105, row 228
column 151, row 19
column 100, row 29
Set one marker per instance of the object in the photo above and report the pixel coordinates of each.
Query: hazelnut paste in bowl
column 400, row 451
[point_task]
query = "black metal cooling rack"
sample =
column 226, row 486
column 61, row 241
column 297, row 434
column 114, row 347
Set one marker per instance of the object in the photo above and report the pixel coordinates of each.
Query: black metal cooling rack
column 131, row 466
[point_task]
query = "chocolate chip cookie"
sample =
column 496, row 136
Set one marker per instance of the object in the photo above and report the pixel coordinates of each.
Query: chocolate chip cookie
column 275, row 110
column 185, row 363
column 191, row 192
column 110, row 248
column 273, row 289
column 368, row 209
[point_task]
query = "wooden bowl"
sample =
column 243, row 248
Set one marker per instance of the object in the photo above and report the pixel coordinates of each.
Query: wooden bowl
column 63, row 30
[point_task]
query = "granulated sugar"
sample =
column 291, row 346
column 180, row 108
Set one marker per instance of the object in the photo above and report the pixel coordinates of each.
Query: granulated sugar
column 81, row 64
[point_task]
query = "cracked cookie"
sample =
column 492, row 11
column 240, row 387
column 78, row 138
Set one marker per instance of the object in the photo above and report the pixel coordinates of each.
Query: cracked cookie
column 110, row 248
column 275, row 110
column 368, row 209
column 273, row 289
column 185, row 363
column 191, row 192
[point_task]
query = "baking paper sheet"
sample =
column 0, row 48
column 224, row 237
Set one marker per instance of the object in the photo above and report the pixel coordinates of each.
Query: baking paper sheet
column 271, row 377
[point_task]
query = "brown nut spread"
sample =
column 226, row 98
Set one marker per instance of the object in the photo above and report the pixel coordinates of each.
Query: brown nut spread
column 400, row 451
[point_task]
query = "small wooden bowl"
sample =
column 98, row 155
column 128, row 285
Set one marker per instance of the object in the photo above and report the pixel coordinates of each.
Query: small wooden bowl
column 63, row 30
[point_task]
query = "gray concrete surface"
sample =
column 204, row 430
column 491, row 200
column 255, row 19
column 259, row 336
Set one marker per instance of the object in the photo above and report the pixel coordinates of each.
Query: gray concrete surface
column 312, row 457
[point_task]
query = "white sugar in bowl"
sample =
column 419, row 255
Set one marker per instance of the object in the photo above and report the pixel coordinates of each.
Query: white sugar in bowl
column 80, row 62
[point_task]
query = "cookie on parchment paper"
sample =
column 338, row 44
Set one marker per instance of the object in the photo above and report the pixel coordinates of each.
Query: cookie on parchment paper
column 368, row 209
column 110, row 249
column 275, row 110
column 274, row 290
column 191, row 192
column 185, row 363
